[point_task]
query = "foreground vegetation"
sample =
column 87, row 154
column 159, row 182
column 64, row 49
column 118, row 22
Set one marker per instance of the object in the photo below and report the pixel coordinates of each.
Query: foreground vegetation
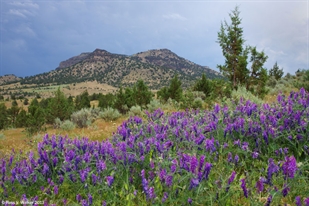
column 252, row 155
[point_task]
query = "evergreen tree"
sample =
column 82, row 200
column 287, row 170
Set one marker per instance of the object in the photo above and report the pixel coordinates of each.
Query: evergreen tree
column 3, row 116
column 106, row 101
column 82, row 101
column 163, row 94
column 13, row 112
column 231, row 41
column 256, row 82
column 204, row 85
column 276, row 72
column 142, row 94
column 120, row 102
column 236, row 57
column 21, row 119
column 35, row 118
column 175, row 90
column 59, row 107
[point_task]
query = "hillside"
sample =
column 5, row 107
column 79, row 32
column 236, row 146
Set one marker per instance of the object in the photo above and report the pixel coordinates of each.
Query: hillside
column 155, row 67
column 9, row 78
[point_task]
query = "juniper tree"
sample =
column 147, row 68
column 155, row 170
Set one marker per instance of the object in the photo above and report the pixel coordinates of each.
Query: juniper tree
column 236, row 56
column 230, row 38
column 276, row 72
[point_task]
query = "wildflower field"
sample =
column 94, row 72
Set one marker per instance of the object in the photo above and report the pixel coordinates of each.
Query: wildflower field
column 247, row 155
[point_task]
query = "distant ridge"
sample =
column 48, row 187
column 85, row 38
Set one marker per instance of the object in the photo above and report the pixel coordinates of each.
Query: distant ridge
column 156, row 67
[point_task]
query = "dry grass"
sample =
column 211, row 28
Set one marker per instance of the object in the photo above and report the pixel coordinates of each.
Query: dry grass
column 17, row 139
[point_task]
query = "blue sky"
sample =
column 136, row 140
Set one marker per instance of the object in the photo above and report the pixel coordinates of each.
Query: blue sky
column 37, row 35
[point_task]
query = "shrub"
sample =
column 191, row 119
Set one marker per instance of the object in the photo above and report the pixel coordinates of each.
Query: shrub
column 109, row 114
column 241, row 93
column 57, row 123
column 153, row 105
column 67, row 125
column 82, row 118
column 135, row 111
column 197, row 103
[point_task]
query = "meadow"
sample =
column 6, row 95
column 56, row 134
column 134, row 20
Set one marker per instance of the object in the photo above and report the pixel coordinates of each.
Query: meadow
column 245, row 154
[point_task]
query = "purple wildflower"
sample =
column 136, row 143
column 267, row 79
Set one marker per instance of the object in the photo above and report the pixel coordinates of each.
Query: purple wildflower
column 298, row 201
column 306, row 201
column 90, row 199
column 244, row 188
column 236, row 159
column 230, row 180
column 193, row 164
column 194, row 183
column 78, row 197
column 207, row 170
column 260, row 185
column 165, row 196
column 229, row 157
column 245, row 146
column 285, row 190
column 269, row 199
column 189, row 201
column 109, row 180
column 169, row 180
column 151, row 193
column 272, row 168
column 255, row 155
column 289, row 167
column 55, row 190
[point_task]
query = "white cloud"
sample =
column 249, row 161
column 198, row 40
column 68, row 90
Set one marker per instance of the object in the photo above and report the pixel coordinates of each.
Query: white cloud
column 17, row 12
column 174, row 16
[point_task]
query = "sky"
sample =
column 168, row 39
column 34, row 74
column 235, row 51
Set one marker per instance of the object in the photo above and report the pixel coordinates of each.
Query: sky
column 37, row 35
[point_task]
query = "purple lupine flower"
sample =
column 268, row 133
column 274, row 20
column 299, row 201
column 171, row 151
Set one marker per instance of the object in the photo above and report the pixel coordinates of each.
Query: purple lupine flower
column 230, row 180
column 285, row 190
column 65, row 201
column 260, row 185
column 244, row 188
column 229, row 157
column 269, row 199
column 217, row 108
column 193, row 164
column 194, row 183
column 298, row 201
column 151, row 193
column 232, row 177
column 100, row 166
column 45, row 169
column 165, row 196
column 289, row 167
column 189, row 201
column 207, row 170
column 265, row 136
column 255, row 155
column 103, row 203
column 109, row 180
column 169, row 180
column 55, row 161
column 236, row 159
column 306, row 201
column 78, row 197
column 90, row 199
column 272, row 168
column 201, row 163
column 61, row 179
column 245, row 146
column 55, row 190
column 162, row 175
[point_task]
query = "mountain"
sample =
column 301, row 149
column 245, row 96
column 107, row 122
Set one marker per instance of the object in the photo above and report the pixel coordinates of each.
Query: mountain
column 9, row 78
column 155, row 67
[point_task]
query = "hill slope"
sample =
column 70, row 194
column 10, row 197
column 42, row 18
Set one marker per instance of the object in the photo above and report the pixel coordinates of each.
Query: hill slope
column 155, row 67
